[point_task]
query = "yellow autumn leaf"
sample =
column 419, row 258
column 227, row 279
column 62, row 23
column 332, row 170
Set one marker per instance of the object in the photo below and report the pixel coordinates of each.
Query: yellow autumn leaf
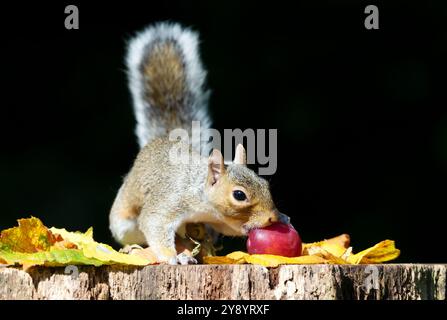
column 218, row 260
column 238, row 255
column 330, row 257
column 100, row 251
column 31, row 243
column 30, row 236
column 337, row 246
column 269, row 260
column 381, row 252
column 332, row 251
column 266, row 260
column 145, row 253
column 51, row 258
column 325, row 247
column 342, row 240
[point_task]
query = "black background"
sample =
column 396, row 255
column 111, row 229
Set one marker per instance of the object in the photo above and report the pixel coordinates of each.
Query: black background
column 361, row 114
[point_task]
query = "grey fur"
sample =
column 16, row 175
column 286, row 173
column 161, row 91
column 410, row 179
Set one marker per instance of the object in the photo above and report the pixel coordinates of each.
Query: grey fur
column 151, row 121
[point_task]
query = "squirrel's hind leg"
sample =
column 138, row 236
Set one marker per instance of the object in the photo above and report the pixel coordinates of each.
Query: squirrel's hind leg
column 123, row 221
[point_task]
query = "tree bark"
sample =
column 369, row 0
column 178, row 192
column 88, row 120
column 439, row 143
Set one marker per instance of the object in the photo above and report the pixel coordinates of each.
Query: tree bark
column 328, row 282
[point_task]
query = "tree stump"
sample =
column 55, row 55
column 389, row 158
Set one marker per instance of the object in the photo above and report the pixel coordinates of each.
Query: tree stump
column 328, row 282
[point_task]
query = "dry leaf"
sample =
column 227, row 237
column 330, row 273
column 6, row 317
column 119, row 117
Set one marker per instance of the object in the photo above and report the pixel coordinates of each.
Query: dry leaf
column 238, row 255
column 145, row 253
column 100, row 251
column 31, row 243
column 332, row 251
column 30, row 236
column 381, row 252
column 337, row 245
column 218, row 260
column 269, row 260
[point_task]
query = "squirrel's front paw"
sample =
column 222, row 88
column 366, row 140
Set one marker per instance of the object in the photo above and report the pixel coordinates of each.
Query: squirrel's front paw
column 170, row 256
column 184, row 258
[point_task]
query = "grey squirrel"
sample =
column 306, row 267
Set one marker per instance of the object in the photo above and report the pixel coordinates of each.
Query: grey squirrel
column 158, row 196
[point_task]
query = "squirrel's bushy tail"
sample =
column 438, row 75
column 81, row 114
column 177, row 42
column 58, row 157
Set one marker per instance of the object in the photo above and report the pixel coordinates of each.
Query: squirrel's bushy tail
column 167, row 81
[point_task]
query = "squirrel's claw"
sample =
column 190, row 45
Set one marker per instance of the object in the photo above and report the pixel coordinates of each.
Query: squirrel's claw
column 184, row 259
column 128, row 248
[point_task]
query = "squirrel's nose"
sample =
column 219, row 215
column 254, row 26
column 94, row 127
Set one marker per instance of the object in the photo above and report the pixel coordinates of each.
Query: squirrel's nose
column 281, row 217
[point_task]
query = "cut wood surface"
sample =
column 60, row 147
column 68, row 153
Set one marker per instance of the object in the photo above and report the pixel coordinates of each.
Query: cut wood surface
column 384, row 281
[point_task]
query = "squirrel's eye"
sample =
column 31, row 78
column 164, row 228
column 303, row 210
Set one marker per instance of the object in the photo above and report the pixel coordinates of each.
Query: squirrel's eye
column 239, row 195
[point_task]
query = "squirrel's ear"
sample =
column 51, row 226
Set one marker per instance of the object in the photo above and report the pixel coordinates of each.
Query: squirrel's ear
column 215, row 166
column 240, row 156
